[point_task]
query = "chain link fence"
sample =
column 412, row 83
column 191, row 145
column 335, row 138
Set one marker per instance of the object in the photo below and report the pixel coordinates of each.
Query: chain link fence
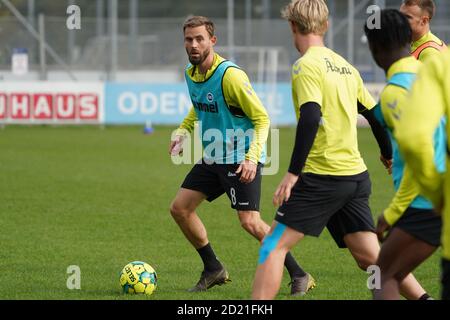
column 157, row 44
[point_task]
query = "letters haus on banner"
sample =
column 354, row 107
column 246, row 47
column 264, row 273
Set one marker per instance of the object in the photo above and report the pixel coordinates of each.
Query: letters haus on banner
column 51, row 103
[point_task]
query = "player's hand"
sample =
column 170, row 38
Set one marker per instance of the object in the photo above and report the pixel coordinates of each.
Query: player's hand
column 247, row 169
column 176, row 146
column 283, row 191
column 382, row 227
column 386, row 163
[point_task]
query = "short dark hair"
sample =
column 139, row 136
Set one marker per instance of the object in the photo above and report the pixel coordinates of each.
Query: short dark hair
column 198, row 21
column 426, row 5
column 394, row 32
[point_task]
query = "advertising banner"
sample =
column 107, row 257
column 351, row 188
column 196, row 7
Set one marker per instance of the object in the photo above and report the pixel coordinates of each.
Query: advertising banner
column 137, row 103
column 51, row 103
column 124, row 103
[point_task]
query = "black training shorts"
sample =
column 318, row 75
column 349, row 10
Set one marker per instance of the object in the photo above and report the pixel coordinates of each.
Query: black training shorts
column 213, row 180
column 422, row 224
column 340, row 203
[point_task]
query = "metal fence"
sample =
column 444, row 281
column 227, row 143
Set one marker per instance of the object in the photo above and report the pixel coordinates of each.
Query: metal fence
column 156, row 44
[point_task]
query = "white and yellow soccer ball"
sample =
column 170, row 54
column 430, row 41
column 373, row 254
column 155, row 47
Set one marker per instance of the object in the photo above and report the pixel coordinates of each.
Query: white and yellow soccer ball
column 138, row 277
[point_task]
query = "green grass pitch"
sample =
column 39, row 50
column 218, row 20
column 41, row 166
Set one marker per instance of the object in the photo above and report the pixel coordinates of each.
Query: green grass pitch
column 99, row 198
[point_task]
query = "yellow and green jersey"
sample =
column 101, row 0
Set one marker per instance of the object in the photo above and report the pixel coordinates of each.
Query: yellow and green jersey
column 229, row 103
column 428, row 103
column 427, row 47
column 324, row 77
column 400, row 77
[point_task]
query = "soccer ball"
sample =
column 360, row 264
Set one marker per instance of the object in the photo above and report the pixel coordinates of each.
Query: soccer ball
column 138, row 277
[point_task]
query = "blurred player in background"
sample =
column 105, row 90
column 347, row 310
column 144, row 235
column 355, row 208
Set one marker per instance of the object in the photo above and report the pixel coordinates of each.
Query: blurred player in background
column 415, row 228
column 327, row 184
column 428, row 103
column 223, row 99
column 425, row 44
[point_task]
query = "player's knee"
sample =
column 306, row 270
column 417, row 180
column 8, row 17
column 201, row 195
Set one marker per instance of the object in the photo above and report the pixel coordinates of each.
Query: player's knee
column 264, row 252
column 364, row 262
column 268, row 249
column 249, row 224
column 390, row 270
column 177, row 211
column 386, row 268
column 400, row 275
column 270, row 244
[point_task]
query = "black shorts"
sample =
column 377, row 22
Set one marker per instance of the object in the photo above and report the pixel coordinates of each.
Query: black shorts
column 339, row 203
column 422, row 224
column 213, row 180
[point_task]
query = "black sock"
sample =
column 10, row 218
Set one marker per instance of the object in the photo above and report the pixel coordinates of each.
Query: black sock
column 292, row 266
column 209, row 258
column 425, row 296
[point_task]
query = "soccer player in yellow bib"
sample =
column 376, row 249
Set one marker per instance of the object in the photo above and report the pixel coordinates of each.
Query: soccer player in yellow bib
column 428, row 103
column 327, row 184
column 425, row 44
column 414, row 228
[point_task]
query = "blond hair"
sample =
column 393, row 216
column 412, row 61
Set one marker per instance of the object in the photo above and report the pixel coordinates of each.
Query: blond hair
column 310, row 16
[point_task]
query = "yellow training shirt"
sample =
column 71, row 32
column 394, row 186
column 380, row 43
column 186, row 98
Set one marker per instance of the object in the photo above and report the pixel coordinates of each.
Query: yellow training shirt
column 391, row 102
column 324, row 77
column 428, row 102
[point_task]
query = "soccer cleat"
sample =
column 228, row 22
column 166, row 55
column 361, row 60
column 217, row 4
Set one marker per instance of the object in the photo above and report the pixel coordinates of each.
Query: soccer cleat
column 426, row 296
column 301, row 285
column 210, row 279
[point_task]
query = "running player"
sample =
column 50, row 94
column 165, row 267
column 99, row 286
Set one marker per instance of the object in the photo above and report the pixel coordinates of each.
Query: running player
column 428, row 103
column 415, row 229
column 327, row 184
